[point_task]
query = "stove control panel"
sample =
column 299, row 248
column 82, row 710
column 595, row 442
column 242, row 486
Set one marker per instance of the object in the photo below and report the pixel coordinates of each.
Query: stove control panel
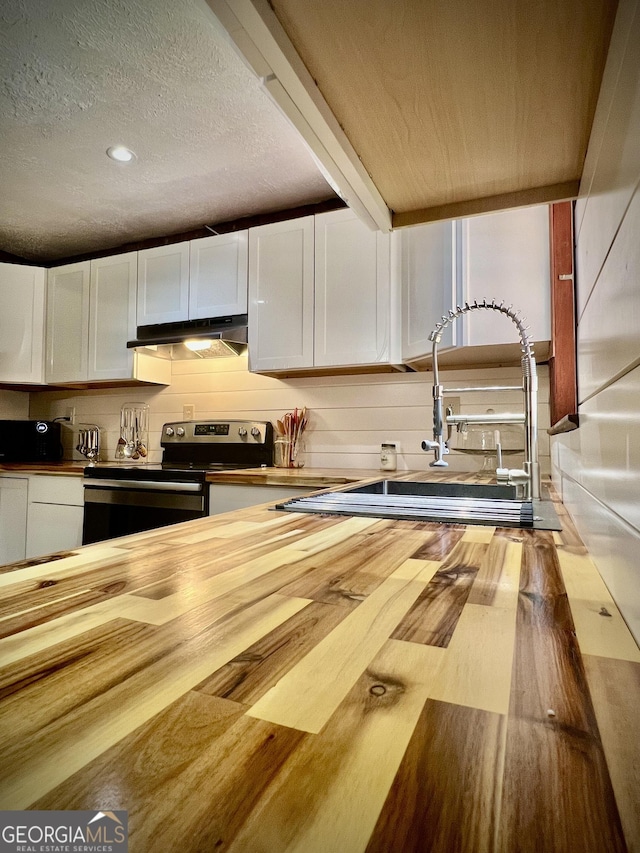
column 217, row 432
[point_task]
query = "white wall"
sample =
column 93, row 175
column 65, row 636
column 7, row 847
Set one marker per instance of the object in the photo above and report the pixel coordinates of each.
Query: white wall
column 14, row 405
column 350, row 416
column 597, row 467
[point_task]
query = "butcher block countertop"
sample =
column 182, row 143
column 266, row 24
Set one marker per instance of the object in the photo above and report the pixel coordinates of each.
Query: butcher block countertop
column 265, row 681
column 305, row 477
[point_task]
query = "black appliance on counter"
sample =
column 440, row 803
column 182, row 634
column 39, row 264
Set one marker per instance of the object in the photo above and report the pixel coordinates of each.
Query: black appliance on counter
column 30, row 441
column 121, row 499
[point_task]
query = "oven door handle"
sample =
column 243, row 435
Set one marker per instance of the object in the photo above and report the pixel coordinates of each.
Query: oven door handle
column 147, row 485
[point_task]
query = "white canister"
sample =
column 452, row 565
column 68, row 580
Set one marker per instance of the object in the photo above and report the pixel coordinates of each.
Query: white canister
column 388, row 457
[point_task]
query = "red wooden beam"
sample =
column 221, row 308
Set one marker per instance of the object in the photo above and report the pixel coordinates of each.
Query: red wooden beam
column 562, row 364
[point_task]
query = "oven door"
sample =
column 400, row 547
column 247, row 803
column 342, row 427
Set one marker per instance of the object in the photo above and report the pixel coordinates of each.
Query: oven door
column 120, row 507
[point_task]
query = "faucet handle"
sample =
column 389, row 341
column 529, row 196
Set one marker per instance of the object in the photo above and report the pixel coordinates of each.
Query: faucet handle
column 439, row 448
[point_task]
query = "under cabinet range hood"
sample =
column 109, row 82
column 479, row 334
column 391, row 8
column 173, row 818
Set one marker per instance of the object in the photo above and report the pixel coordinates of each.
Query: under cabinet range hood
column 215, row 337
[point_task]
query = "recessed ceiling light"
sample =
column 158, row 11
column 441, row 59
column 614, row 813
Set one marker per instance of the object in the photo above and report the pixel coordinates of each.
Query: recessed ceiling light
column 120, row 153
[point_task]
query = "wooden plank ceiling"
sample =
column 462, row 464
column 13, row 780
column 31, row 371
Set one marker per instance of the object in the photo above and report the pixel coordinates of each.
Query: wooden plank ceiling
column 463, row 106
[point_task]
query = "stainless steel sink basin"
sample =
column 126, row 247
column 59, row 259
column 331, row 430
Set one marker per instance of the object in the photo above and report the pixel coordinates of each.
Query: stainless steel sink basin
column 431, row 489
column 454, row 503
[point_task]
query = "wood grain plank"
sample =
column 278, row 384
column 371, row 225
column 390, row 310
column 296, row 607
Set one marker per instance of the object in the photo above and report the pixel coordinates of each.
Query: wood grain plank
column 32, row 768
column 34, row 690
column 440, row 543
column 335, row 784
column 614, row 686
column 95, row 556
column 434, row 616
column 557, row 791
column 250, row 674
column 477, row 668
column 198, row 769
column 497, row 581
column 310, row 692
column 600, row 628
column 234, row 586
column 31, row 641
column 475, row 533
column 347, row 573
column 447, row 792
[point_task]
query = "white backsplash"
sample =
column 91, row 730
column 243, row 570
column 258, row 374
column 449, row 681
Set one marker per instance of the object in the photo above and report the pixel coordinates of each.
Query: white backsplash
column 350, row 416
column 14, row 405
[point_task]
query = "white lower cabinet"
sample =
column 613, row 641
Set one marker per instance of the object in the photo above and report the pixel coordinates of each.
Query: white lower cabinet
column 54, row 514
column 227, row 497
column 13, row 518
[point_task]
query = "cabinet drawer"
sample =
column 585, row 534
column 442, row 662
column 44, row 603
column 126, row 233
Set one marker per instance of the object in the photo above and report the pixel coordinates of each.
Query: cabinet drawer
column 56, row 490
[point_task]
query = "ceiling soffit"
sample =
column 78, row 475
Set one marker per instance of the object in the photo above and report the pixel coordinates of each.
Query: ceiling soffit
column 458, row 107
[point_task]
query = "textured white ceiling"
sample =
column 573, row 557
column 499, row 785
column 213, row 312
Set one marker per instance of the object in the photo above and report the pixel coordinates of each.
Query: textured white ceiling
column 158, row 76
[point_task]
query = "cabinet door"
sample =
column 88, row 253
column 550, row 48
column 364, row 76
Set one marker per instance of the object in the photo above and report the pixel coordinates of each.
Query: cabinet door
column 352, row 291
column 53, row 527
column 67, row 323
column 428, row 285
column 281, row 295
column 505, row 256
column 163, row 284
column 218, row 276
column 22, row 295
column 13, row 519
column 112, row 316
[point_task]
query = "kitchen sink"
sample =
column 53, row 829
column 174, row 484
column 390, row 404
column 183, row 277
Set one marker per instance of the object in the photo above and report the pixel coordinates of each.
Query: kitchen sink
column 431, row 489
column 451, row 503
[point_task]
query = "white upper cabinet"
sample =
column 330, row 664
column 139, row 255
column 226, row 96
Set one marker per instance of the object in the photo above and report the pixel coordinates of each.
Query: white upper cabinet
column 281, row 295
column 502, row 256
column 218, row 276
column 319, row 294
column 112, row 316
column 163, row 284
column 505, row 256
column 91, row 314
column 67, row 322
column 22, row 295
column 429, row 286
column 193, row 280
column 352, row 291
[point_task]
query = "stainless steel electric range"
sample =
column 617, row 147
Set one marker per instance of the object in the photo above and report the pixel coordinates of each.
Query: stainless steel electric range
column 121, row 499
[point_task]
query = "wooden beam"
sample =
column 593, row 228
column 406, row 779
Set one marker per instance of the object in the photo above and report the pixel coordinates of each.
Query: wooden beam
column 477, row 206
column 563, row 391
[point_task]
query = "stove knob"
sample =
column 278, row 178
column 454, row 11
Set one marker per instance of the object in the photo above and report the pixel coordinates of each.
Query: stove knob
column 242, row 432
column 255, row 432
column 168, row 431
column 180, row 431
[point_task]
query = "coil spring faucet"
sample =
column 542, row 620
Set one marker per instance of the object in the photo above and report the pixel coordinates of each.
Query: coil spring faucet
column 529, row 476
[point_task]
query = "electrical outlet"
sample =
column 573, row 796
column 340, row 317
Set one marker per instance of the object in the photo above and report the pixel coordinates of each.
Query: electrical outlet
column 188, row 412
column 70, row 415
